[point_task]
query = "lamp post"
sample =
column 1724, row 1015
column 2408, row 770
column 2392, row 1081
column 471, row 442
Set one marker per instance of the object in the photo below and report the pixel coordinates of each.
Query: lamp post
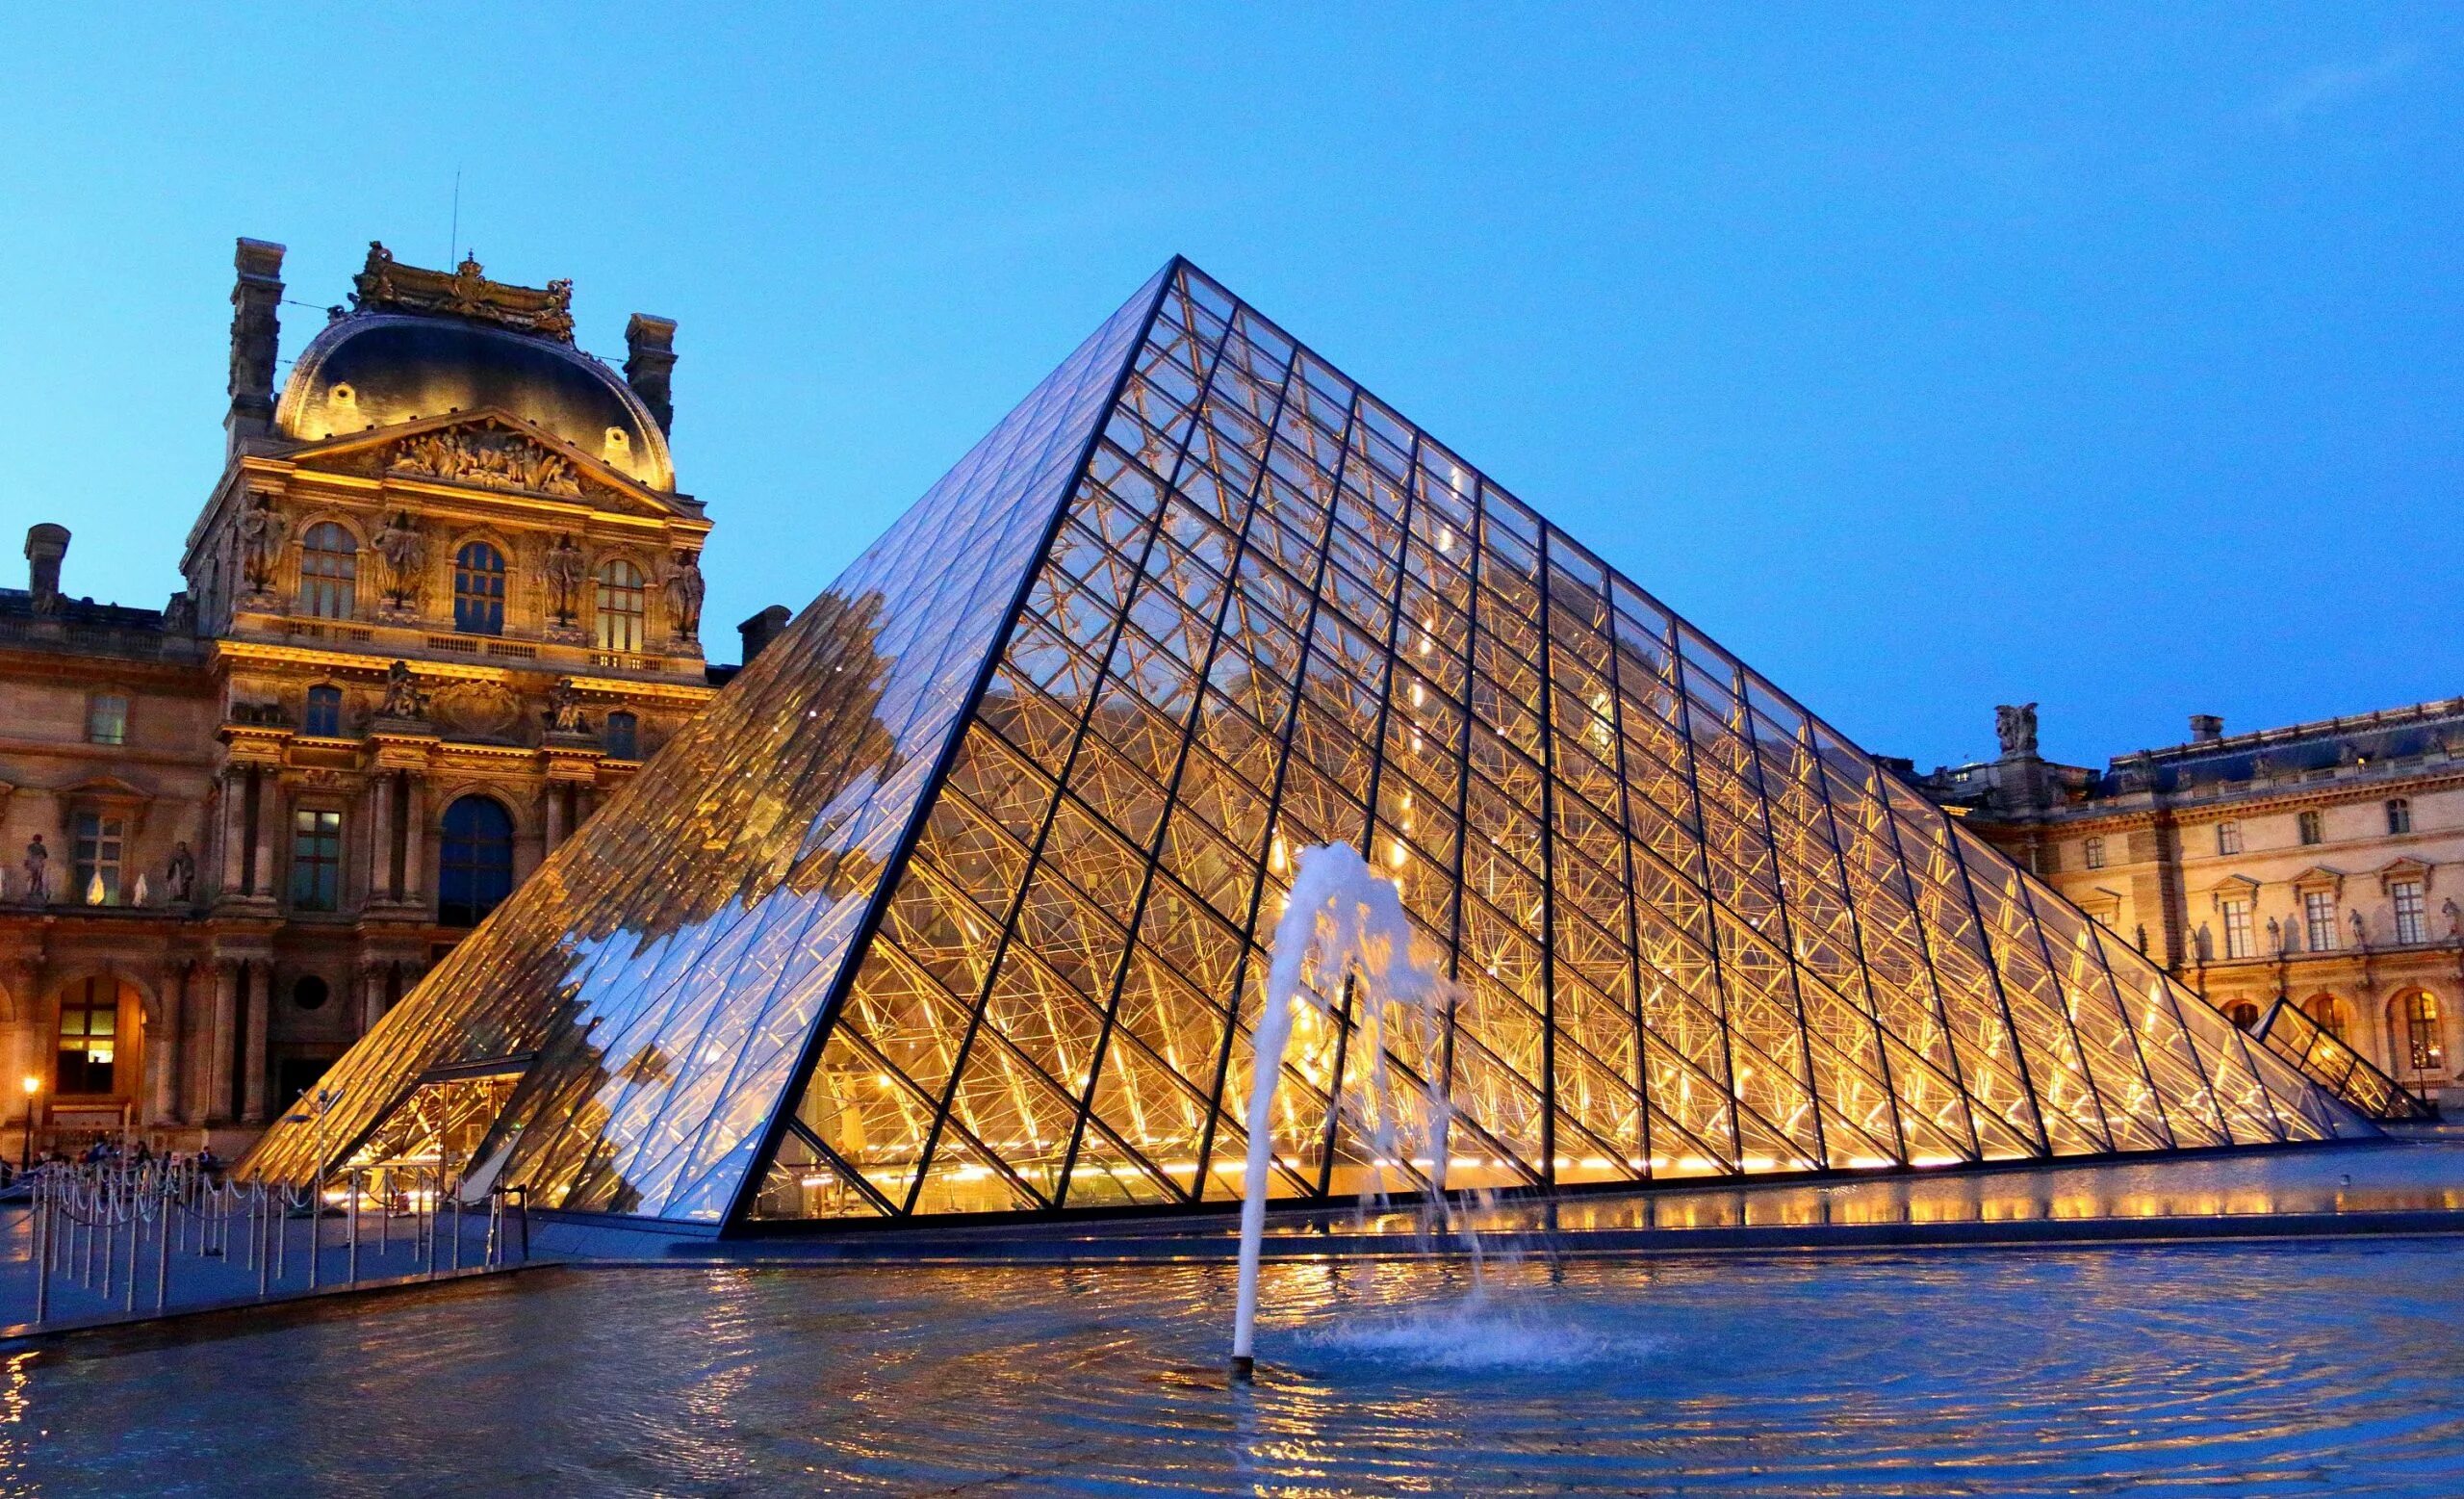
column 26, row 1149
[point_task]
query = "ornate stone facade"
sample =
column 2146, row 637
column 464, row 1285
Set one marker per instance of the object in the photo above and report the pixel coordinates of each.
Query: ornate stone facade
column 2316, row 864
column 423, row 635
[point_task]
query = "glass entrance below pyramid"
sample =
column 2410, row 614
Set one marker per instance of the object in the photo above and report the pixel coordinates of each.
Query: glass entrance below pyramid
column 955, row 902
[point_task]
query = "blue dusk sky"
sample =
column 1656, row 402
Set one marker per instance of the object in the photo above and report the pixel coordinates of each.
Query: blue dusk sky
column 1929, row 357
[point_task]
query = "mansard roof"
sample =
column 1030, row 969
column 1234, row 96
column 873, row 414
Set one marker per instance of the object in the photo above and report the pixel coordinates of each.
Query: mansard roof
column 424, row 344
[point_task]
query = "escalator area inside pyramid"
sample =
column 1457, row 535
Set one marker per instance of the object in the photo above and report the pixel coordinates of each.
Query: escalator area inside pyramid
column 957, row 903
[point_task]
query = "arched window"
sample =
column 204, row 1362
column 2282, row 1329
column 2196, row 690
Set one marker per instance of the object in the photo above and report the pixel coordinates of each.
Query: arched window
column 2246, row 1015
column 478, row 589
column 624, row 737
column 623, row 602
column 2330, row 1012
column 324, row 715
column 90, row 1012
column 328, row 572
column 474, row 869
column 2418, row 1043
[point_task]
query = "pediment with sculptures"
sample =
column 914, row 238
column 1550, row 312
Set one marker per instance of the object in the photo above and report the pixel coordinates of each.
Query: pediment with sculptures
column 491, row 457
column 484, row 451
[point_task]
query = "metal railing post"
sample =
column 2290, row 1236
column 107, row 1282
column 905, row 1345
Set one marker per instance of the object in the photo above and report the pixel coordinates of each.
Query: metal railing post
column 163, row 1250
column 42, row 1231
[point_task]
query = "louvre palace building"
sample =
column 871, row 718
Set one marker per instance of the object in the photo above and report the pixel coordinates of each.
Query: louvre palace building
column 442, row 601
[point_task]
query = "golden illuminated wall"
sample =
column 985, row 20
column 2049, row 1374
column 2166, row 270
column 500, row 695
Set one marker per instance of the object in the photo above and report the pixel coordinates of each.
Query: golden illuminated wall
column 953, row 902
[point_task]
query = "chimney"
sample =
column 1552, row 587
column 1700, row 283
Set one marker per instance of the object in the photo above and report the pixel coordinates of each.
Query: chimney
column 762, row 629
column 2206, row 728
column 45, row 545
column 649, row 356
column 256, row 297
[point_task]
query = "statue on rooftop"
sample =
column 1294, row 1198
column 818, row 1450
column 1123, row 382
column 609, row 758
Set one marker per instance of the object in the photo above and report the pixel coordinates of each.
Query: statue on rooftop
column 2015, row 726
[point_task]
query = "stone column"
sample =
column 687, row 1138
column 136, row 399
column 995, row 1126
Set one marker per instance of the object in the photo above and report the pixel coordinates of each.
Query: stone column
column 221, row 1042
column 555, row 820
column 269, row 829
column 380, row 836
column 415, row 843
column 163, row 1050
column 260, row 1028
column 24, row 979
column 372, row 983
column 233, row 833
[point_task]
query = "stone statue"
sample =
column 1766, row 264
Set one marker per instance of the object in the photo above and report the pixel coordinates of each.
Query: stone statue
column 2454, row 915
column 404, row 549
column 564, row 567
column 2360, row 930
column 2017, row 728
column 261, row 529
column 564, row 709
column 179, row 876
column 402, row 694
column 2204, row 944
column 2275, row 935
column 179, row 616
column 684, row 588
column 38, row 871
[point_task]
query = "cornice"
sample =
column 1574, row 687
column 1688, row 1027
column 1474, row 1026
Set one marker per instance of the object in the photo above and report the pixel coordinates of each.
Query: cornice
column 2066, row 824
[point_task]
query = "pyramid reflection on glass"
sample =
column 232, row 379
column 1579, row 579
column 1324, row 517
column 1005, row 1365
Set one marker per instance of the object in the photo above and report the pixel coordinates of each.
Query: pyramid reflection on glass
column 953, row 902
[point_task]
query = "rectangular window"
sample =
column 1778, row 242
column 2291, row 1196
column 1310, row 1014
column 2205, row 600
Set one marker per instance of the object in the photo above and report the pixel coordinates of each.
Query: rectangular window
column 2237, row 941
column 107, row 719
column 622, row 737
column 623, row 606
column 2312, row 828
column 2228, row 837
column 2400, row 814
column 2411, row 925
column 2319, row 920
column 95, row 859
column 2093, row 853
column 316, row 861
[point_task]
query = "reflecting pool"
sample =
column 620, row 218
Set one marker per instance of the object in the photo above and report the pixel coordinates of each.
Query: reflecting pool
column 2218, row 1369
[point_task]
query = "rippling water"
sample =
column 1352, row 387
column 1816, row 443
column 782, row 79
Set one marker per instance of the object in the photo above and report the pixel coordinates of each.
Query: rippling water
column 2216, row 1370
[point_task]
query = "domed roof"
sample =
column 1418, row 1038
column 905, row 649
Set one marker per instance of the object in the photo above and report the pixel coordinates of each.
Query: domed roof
column 380, row 369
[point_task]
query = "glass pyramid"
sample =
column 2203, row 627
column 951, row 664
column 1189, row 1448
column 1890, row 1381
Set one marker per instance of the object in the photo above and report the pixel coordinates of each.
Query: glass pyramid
column 954, row 901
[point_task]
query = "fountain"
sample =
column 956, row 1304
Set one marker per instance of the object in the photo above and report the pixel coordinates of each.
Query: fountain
column 1344, row 923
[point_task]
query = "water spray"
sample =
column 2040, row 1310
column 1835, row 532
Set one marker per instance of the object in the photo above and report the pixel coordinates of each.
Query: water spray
column 1353, row 925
